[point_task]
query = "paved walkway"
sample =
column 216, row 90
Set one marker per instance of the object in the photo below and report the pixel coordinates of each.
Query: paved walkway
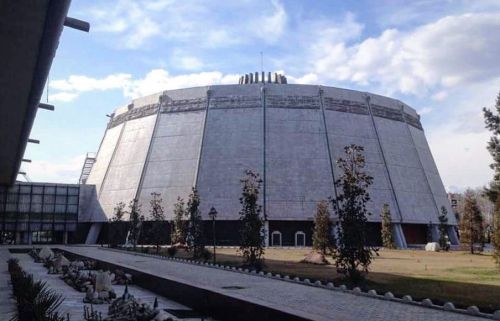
column 7, row 303
column 306, row 301
column 73, row 299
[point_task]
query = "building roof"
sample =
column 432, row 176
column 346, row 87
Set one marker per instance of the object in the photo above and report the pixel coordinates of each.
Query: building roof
column 29, row 36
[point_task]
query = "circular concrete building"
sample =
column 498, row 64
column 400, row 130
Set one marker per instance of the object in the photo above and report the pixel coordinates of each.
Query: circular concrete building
column 290, row 134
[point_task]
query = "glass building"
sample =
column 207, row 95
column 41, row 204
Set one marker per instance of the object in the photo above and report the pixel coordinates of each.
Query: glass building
column 38, row 212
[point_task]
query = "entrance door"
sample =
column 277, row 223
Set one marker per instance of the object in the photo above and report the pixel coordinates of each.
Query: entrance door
column 276, row 238
column 300, row 239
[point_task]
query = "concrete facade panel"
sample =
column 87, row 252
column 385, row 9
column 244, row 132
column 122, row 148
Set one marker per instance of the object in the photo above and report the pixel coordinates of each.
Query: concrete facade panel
column 104, row 155
column 173, row 158
column 232, row 143
column 125, row 170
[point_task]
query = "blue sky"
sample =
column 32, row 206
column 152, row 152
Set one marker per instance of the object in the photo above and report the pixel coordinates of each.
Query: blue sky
column 440, row 57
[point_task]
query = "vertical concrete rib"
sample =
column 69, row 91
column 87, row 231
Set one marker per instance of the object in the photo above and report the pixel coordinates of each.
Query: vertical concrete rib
column 420, row 160
column 203, row 132
column 327, row 142
column 111, row 159
column 264, row 181
column 148, row 154
column 393, row 192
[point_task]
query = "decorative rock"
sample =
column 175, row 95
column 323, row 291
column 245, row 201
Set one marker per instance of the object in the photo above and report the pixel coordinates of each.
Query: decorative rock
column 296, row 279
column 253, row 272
column 103, row 295
column 330, row 285
column 315, row 258
column 45, row 253
column 389, row 295
column 269, row 274
column 277, row 276
column 162, row 316
column 372, row 292
column 59, row 262
column 432, row 247
column 473, row 309
column 427, row 302
column 318, row 283
column 357, row 289
column 103, row 282
column 449, row 306
column 343, row 287
column 262, row 273
column 407, row 298
column 286, row 277
column 307, row 281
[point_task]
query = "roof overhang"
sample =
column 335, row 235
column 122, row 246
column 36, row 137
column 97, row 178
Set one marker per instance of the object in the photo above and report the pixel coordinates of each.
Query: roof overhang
column 29, row 36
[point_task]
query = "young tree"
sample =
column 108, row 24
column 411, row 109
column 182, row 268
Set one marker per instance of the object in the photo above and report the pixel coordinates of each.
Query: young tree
column 179, row 232
column 443, row 229
column 252, row 222
column 492, row 120
column 429, row 237
column 135, row 221
column 495, row 236
column 158, row 218
column 351, row 252
column 195, row 237
column 471, row 230
column 114, row 224
column 387, row 239
column 323, row 240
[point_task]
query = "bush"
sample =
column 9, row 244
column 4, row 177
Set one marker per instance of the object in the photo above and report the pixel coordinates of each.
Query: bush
column 205, row 255
column 172, row 251
column 35, row 302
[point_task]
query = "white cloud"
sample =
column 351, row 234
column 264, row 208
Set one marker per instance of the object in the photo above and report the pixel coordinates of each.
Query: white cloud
column 309, row 78
column 135, row 24
column 452, row 51
column 80, row 83
column 271, row 27
column 425, row 110
column 154, row 81
column 55, row 171
column 160, row 79
column 63, row 97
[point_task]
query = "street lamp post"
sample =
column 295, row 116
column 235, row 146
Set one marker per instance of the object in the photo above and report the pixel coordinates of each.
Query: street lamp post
column 213, row 214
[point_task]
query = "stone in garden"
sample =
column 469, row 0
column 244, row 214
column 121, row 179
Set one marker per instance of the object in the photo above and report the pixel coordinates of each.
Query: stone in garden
column 104, row 295
column 103, row 282
column 91, row 295
column 162, row 316
column 432, row 247
column 315, row 258
column 59, row 262
column 46, row 253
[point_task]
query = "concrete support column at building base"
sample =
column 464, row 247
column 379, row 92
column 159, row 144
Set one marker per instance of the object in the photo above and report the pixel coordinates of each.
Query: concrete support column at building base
column 94, row 231
column 435, row 233
column 18, row 237
column 452, row 234
column 29, row 237
column 65, row 237
column 399, row 236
